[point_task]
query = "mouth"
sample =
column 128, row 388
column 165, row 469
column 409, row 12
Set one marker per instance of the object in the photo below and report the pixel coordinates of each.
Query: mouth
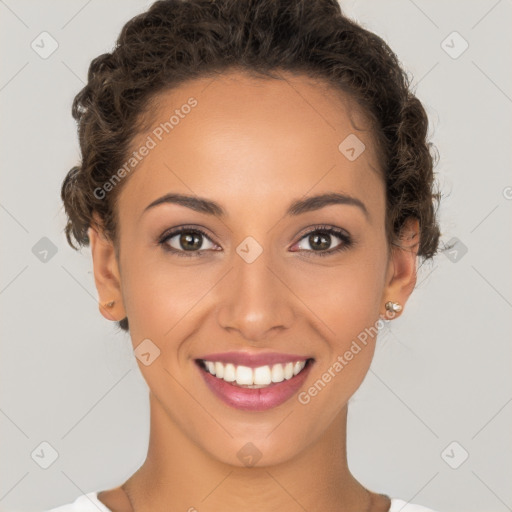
column 255, row 388
column 253, row 378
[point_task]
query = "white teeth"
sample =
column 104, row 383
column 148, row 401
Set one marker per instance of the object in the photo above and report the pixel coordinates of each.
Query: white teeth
column 298, row 366
column 262, row 376
column 244, row 375
column 219, row 370
column 277, row 373
column 259, row 377
column 229, row 373
column 288, row 371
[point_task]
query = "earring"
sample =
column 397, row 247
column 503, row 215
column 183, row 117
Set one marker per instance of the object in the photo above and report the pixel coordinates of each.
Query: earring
column 110, row 304
column 394, row 307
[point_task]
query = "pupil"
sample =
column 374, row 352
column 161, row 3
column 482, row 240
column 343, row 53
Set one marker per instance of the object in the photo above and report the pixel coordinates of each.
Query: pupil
column 190, row 241
column 320, row 241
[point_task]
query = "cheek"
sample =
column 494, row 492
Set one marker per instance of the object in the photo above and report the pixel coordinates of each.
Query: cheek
column 161, row 294
column 347, row 301
column 345, row 297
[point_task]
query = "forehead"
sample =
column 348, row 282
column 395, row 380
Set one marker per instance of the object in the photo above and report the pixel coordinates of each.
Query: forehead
column 240, row 138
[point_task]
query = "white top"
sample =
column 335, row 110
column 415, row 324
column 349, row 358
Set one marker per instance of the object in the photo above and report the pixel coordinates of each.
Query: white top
column 90, row 503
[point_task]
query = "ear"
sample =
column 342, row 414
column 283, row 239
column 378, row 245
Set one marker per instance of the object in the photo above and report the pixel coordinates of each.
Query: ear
column 106, row 272
column 401, row 272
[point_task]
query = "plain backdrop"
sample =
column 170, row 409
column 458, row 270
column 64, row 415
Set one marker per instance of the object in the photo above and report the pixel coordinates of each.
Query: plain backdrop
column 431, row 422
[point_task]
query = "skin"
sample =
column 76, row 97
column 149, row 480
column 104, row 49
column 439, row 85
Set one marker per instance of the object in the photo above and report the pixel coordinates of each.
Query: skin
column 253, row 146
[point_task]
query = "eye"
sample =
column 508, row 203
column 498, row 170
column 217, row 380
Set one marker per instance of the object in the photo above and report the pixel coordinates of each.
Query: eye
column 187, row 240
column 320, row 241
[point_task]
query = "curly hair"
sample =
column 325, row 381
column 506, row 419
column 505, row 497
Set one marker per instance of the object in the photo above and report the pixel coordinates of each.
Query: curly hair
column 178, row 40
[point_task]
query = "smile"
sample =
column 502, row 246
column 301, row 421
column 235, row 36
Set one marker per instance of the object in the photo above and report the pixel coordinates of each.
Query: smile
column 257, row 387
column 253, row 378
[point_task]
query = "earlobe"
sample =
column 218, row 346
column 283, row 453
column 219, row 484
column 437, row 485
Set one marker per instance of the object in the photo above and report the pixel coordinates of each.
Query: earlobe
column 401, row 272
column 106, row 274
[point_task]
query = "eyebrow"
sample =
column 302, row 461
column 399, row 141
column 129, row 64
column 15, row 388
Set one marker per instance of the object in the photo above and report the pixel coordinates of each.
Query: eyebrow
column 297, row 207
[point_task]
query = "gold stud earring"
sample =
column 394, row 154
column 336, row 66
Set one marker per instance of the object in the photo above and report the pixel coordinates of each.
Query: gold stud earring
column 394, row 307
column 110, row 304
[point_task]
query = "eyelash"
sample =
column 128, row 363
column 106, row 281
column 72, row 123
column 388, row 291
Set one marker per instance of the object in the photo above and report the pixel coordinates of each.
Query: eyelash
column 347, row 241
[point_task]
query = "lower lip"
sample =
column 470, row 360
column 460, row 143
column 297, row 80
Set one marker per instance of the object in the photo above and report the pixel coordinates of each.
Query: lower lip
column 261, row 399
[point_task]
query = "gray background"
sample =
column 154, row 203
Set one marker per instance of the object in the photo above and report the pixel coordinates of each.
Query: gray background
column 441, row 373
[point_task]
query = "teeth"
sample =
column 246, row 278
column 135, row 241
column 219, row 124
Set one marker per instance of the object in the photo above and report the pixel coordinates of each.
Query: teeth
column 288, row 371
column 259, row 377
column 262, row 375
column 244, row 375
column 211, row 367
column 219, row 370
column 277, row 373
column 229, row 373
column 298, row 366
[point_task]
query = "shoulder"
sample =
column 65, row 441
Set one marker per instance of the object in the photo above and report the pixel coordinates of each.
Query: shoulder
column 85, row 503
column 398, row 505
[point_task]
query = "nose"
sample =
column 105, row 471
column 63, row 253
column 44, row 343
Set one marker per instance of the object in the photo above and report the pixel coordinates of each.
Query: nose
column 255, row 302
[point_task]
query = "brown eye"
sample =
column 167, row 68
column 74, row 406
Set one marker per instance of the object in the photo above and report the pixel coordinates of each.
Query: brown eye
column 321, row 241
column 187, row 240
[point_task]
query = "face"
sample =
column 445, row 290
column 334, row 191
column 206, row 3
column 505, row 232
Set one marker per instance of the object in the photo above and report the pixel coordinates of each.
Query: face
column 240, row 260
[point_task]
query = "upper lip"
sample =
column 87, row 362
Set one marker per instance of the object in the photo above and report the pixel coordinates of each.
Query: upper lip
column 253, row 360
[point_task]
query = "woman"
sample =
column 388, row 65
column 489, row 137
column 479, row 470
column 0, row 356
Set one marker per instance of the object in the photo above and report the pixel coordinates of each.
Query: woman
column 256, row 188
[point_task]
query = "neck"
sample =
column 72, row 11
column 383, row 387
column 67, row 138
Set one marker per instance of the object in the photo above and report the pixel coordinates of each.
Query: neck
column 179, row 475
